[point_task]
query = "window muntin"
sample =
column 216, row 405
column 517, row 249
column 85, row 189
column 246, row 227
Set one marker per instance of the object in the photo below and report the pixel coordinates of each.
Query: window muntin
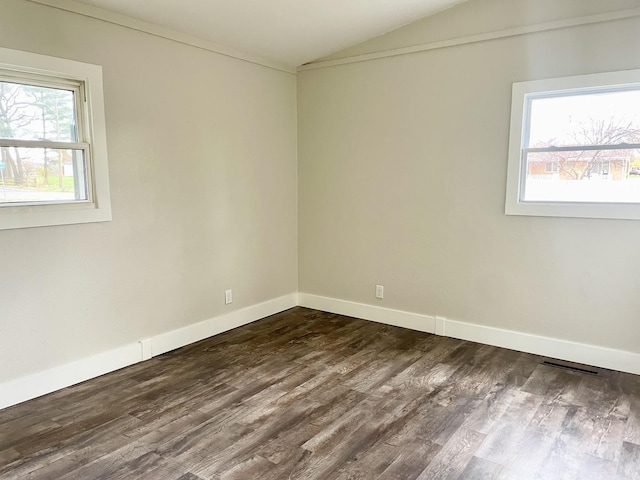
column 575, row 147
column 59, row 124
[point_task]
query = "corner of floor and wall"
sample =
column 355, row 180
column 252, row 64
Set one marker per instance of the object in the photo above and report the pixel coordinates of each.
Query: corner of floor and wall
column 46, row 381
column 384, row 164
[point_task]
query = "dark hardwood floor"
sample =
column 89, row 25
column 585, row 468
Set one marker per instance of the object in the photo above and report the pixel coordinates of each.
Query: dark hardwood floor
column 311, row 395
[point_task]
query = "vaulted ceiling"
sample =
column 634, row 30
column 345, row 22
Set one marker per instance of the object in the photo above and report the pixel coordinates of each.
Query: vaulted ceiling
column 292, row 32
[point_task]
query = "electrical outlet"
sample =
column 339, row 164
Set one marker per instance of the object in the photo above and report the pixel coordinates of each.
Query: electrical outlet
column 228, row 297
column 379, row 291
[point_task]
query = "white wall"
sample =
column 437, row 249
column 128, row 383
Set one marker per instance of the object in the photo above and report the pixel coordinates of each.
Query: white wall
column 484, row 16
column 202, row 161
column 402, row 168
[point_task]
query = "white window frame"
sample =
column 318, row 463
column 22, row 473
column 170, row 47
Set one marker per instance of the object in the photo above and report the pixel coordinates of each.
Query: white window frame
column 516, row 168
column 26, row 66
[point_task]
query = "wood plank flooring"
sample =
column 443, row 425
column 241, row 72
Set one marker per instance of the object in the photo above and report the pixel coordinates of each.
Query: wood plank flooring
column 311, row 395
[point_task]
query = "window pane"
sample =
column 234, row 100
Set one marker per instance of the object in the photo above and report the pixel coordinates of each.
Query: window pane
column 30, row 112
column 610, row 176
column 608, row 118
column 42, row 175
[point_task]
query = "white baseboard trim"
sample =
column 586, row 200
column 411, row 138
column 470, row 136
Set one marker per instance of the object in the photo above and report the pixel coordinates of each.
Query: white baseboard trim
column 397, row 318
column 549, row 347
column 166, row 342
column 594, row 355
column 47, row 381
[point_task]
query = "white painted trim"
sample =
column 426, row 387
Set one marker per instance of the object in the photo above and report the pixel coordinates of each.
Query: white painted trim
column 483, row 37
column 522, row 93
column 145, row 349
column 41, row 383
column 166, row 342
column 549, row 347
column 158, row 31
column 91, row 127
column 440, row 326
column 47, row 381
column 398, row 318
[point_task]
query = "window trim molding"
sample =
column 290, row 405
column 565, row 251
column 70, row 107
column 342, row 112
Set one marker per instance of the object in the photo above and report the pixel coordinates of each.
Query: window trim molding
column 99, row 208
column 517, row 138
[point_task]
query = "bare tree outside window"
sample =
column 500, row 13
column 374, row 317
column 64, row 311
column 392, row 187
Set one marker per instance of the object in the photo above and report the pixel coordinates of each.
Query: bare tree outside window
column 35, row 123
column 590, row 137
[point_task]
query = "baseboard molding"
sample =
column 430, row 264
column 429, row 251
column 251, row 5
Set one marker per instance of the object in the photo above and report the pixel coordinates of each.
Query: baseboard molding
column 397, row 318
column 47, row 381
column 199, row 331
column 549, row 347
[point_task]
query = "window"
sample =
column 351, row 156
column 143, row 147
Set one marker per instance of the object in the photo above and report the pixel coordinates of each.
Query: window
column 574, row 147
column 53, row 162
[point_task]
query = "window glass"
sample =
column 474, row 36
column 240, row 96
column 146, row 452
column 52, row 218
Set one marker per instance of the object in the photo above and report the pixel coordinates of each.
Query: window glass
column 42, row 175
column 53, row 148
column 574, row 147
column 38, row 133
column 604, row 118
column 32, row 112
column 559, row 129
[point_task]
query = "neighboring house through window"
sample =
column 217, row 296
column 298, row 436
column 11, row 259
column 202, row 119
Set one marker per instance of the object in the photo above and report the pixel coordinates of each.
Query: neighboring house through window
column 567, row 136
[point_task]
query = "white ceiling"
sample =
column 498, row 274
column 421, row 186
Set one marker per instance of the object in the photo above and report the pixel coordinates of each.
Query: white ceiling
column 288, row 31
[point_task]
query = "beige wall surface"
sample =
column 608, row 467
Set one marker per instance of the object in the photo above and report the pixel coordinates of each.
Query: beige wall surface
column 481, row 17
column 202, row 161
column 402, row 174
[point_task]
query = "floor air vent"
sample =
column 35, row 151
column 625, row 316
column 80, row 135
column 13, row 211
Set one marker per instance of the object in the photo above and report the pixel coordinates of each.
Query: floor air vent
column 569, row 367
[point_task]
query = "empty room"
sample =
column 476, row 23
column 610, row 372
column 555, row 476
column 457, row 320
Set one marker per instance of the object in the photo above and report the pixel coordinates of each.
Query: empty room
column 354, row 239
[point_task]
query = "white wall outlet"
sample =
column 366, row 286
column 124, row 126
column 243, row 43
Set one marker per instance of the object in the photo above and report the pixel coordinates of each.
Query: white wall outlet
column 379, row 291
column 228, row 297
